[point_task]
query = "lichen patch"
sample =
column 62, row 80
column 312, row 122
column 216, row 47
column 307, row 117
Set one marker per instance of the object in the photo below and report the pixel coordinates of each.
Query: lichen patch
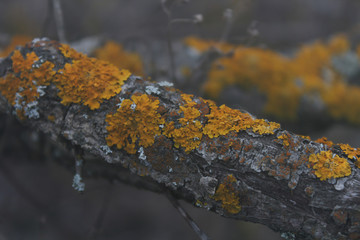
column 227, row 194
column 327, row 165
column 129, row 127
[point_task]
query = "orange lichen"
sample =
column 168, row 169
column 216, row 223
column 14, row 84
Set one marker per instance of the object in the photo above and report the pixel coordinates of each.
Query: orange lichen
column 204, row 45
column 82, row 80
column 262, row 126
column 250, row 67
column 16, row 40
column 136, row 122
column 339, row 44
column 228, row 195
column 327, row 165
column 21, row 86
column 340, row 216
column 189, row 134
column 311, row 72
column 285, row 139
column 305, row 137
column 282, row 172
column 70, row 53
column 115, row 54
column 352, row 153
column 51, row 118
column 87, row 80
column 325, row 141
column 223, row 120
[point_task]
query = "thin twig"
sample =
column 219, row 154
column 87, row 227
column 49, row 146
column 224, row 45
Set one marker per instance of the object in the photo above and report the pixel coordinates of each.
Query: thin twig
column 48, row 18
column 78, row 184
column 168, row 13
column 59, row 21
column 229, row 18
column 97, row 228
column 171, row 53
column 187, row 217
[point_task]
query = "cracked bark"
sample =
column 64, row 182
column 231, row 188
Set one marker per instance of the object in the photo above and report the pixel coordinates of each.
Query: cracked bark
column 274, row 183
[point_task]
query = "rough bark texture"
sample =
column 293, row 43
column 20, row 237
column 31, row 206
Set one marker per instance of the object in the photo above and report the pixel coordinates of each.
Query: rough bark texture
column 245, row 174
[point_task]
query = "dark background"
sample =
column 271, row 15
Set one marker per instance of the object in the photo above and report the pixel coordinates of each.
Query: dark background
column 36, row 197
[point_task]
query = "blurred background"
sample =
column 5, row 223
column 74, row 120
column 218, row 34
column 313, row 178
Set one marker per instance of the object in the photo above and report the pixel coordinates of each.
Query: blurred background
column 281, row 24
column 36, row 197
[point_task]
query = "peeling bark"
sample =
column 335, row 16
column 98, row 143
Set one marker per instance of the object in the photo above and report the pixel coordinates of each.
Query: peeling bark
column 243, row 174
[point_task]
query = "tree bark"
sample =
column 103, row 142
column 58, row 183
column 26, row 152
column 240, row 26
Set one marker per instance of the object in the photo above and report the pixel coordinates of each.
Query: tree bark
column 258, row 176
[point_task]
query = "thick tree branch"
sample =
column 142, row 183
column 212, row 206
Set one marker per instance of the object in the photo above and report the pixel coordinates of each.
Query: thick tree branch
column 152, row 135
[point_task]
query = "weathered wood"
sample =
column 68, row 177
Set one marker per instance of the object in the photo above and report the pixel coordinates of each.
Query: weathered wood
column 216, row 158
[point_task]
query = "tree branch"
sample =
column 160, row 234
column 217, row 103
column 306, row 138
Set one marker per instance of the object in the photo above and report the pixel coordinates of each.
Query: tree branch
column 151, row 135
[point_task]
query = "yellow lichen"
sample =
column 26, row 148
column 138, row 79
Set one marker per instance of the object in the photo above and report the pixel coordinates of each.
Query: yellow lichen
column 262, row 126
column 136, row 122
column 71, row 53
column 115, row 54
column 285, row 139
column 327, row 165
column 325, row 141
column 82, row 79
column 88, row 81
column 305, row 137
column 228, row 195
column 223, row 120
column 21, row 86
column 204, row 45
column 284, row 81
column 199, row 203
column 352, row 153
column 188, row 135
column 51, row 118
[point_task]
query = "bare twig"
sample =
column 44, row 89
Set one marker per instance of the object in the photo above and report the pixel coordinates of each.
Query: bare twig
column 78, row 184
column 187, row 217
column 228, row 15
column 55, row 12
column 197, row 18
column 97, row 228
column 59, row 20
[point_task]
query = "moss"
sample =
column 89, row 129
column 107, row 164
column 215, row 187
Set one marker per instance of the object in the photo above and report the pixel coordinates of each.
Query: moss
column 327, row 165
column 136, row 122
column 228, row 195
column 114, row 53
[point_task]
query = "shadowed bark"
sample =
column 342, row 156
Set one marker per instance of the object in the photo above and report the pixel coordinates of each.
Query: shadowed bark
column 256, row 173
